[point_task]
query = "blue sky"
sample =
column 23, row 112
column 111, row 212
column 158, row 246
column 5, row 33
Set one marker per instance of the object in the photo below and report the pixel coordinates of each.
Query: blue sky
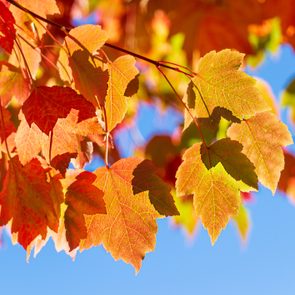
column 265, row 266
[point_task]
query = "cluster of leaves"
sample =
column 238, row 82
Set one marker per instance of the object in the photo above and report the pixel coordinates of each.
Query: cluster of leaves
column 64, row 95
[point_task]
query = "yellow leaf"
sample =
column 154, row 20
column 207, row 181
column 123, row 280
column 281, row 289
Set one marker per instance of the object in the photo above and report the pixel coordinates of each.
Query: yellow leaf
column 128, row 230
column 216, row 193
column 121, row 72
column 221, row 83
column 263, row 137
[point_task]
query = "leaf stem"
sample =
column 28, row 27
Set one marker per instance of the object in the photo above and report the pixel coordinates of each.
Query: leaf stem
column 185, row 106
column 25, row 60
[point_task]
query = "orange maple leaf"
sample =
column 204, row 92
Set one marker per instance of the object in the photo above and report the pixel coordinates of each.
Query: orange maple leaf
column 26, row 198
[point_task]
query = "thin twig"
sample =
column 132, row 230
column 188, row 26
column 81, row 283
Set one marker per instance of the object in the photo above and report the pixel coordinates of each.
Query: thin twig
column 185, row 106
column 68, row 28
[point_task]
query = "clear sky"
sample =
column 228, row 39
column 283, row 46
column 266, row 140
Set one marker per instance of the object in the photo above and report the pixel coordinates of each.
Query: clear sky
column 177, row 266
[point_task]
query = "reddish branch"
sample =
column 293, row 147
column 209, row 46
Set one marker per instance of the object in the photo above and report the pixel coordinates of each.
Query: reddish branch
column 139, row 56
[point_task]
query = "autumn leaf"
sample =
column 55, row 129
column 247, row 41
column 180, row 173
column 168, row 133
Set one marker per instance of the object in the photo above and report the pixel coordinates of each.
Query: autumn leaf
column 67, row 137
column 90, row 80
column 24, row 20
column 7, row 30
column 229, row 154
column 145, row 179
column 121, row 72
column 221, row 83
column 82, row 197
column 26, row 198
column 61, row 162
column 47, row 104
column 263, row 137
column 216, row 193
column 87, row 39
column 14, row 83
column 128, row 231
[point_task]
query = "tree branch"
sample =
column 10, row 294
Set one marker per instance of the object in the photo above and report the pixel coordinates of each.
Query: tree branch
column 139, row 56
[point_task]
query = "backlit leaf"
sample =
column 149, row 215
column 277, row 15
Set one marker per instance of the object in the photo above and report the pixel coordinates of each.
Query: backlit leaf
column 229, row 154
column 263, row 137
column 47, row 104
column 216, row 193
column 82, row 197
column 26, row 199
column 128, row 231
column 7, row 30
column 86, row 38
column 221, row 83
column 14, row 83
column 121, row 72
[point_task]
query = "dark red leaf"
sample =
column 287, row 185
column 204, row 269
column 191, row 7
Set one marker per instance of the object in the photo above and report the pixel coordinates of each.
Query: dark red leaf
column 47, row 104
column 7, row 30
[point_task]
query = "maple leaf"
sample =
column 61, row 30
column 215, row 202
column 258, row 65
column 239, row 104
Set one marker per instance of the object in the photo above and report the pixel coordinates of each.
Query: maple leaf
column 82, row 197
column 216, row 193
column 88, row 39
column 46, row 105
column 263, row 137
column 90, row 80
column 61, row 162
column 229, row 154
column 26, row 198
column 67, row 137
column 128, row 231
column 14, row 83
column 25, row 21
column 121, row 72
column 7, row 30
column 30, row 32
column 221, row 83
column 145, row 179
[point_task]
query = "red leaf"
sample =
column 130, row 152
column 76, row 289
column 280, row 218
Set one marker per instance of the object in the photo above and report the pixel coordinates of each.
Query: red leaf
column 61, row 162
column 82, row 198
column 47, row 104
column 27, row 199
column 7, row 30
column 6, row 126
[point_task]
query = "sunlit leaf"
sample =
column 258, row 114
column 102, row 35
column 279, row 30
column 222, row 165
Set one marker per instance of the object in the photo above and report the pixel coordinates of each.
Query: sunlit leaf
column 216, row 193
column 263, row 137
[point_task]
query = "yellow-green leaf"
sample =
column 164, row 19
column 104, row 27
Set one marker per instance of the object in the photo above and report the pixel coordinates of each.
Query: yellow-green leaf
column 221, row 83
column 216, row 193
